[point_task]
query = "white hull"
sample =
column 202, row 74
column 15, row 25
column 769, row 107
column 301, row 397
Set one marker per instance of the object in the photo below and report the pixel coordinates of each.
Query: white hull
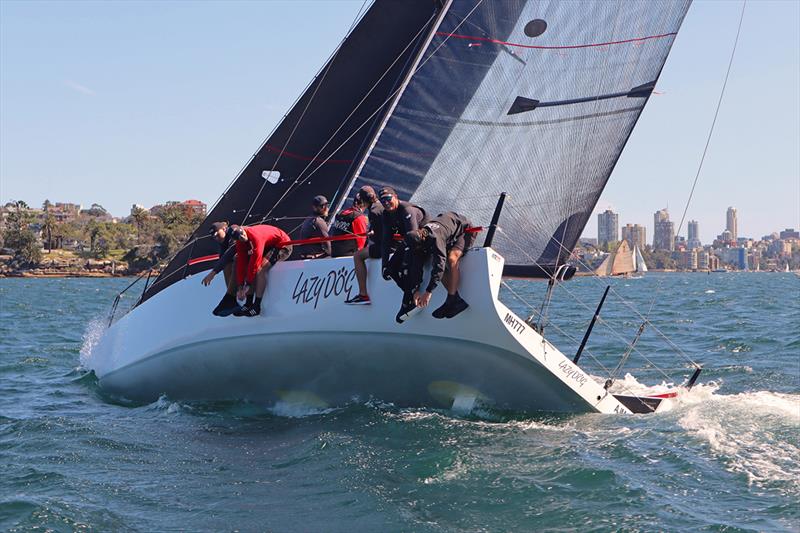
column 309, row 347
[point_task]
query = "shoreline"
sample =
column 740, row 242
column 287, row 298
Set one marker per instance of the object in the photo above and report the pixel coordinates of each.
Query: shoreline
column 70, row 274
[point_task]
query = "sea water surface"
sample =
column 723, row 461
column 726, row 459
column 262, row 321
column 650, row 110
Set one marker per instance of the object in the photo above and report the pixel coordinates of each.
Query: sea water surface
column 725, row 457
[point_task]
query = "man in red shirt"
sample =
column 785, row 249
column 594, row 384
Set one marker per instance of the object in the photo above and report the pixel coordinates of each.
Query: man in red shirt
column 257, row 250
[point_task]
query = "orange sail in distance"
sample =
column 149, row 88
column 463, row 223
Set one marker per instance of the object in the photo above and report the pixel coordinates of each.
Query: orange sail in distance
column 619, row 262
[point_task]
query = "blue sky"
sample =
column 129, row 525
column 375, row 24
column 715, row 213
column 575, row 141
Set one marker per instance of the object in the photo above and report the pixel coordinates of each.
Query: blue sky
column 143, row 102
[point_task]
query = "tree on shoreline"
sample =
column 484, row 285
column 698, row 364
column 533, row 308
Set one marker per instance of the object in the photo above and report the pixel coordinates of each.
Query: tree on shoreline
column 20, row 238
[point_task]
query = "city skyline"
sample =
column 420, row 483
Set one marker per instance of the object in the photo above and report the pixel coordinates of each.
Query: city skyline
column 665, row 236
column 171, row 113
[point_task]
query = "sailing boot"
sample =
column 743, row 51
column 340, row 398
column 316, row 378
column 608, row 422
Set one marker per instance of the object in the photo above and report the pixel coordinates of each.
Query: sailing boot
column 245, row 309
column 442, row 310
column 457, row 305
column 249, row 309
column 407, row 309
column 226, row 306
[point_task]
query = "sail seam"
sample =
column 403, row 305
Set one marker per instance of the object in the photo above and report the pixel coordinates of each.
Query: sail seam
column 444, row 119
column 564, row 47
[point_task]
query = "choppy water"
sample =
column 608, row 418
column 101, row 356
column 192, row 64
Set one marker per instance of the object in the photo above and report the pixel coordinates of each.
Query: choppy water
column 726, row 457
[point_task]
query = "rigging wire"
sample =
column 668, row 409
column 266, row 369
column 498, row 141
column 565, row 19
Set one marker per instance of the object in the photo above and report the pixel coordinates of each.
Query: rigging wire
column 264, row 142
column 314, row 159
column 600, row 319
column 659, row 286
column 570, row 337
column 391, row 97
column 716, row 114
column 305, row 109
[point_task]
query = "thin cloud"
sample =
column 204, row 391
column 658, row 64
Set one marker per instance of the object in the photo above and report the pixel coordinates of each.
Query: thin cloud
column 75, row 86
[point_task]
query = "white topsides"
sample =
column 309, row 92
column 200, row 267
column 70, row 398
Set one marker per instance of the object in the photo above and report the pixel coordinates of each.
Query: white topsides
column 309, row 346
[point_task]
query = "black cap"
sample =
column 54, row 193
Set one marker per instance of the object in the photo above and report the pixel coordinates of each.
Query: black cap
column 236, row 232
column 319, row 201
column 388, row 191
column 216, row 226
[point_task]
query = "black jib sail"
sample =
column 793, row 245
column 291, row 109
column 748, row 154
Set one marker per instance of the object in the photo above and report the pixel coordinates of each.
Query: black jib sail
column 537, row 98
column 452, row 102
column 316, row 147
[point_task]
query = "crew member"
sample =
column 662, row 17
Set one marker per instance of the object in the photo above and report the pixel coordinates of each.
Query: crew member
column 221, row 233
column 398, row 217
column 351, row 221
column 315, row 226
column 366, row 195
column 443, row 241
column 258, row 248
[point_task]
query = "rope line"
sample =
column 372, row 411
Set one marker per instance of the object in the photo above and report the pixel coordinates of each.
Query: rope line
column 570, row 337
column 305, row 109
column 391, row 97
column 600, row 319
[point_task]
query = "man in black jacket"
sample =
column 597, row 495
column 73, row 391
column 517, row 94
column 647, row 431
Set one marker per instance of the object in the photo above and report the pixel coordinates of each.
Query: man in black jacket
column 443, row 241
column 315, row 226
column 221, row 233
column 398, row 217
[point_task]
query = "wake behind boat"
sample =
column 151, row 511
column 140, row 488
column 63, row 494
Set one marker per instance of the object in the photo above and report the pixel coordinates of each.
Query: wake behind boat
column 449, row 103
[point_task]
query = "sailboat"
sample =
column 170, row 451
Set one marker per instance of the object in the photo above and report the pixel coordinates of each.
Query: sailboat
column 452, row 103
column 621, row 262
column 638, row 261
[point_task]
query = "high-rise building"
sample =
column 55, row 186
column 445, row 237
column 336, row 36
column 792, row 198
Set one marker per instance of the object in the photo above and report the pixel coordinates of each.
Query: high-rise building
column 635, row 234
column 732, row 224
column 607, row 227
column 664, row 231
column 703, row 260
column 689, row 260
column 693, row 240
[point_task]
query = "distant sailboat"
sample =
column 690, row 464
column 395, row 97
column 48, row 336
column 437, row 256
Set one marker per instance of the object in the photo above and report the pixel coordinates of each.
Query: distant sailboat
column 641, row 266
column 620, row 262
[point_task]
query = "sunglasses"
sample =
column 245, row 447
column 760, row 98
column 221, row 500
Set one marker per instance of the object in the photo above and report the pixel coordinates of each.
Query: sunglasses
column 387, row 199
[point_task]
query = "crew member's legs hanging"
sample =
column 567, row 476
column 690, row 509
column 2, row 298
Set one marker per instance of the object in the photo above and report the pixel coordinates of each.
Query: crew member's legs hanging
column 454, row 304
column 228, row 304
column 405, row 268
column 253, row 308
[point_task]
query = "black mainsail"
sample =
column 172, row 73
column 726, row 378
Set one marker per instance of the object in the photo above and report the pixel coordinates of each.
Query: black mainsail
column 452, row 103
